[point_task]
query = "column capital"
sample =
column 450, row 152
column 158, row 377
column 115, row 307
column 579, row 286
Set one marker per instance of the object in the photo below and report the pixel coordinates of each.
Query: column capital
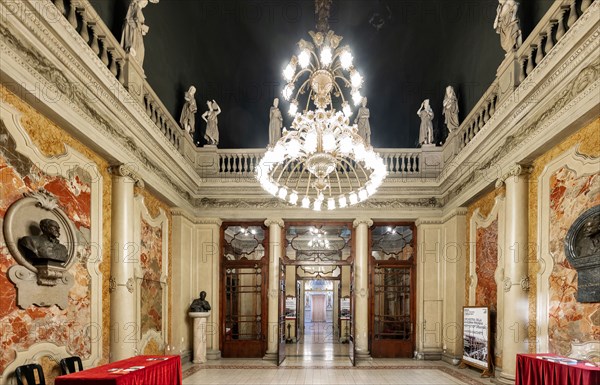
column 125, row 171
column 274, row 221
column 515, row 170
column 359, row 221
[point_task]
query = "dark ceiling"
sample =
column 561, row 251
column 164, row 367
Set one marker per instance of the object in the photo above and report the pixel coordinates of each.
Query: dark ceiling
column 234, row 51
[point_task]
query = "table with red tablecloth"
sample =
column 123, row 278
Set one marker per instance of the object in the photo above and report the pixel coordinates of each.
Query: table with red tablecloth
column 157, row 370
column 534, row 370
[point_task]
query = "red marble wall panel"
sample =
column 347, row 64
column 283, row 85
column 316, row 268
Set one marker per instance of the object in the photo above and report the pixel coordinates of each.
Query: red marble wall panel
column 151, row 289
column 486, row 263
column 569, row 321
column 21, row 328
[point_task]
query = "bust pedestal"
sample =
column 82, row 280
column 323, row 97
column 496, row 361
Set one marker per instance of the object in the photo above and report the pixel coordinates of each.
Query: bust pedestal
column 199, row 336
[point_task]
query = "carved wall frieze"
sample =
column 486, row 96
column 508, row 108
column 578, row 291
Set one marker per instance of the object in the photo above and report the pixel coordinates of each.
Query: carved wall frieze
column 274, row 203
column 79, row 100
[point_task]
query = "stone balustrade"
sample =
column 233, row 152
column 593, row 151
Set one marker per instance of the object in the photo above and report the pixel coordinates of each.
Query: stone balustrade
column 560, row 17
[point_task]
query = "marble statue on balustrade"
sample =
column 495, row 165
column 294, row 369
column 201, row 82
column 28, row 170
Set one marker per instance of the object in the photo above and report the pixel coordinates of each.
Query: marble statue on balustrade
column 450, row 109
column 188, row 113
column 275, row 123
column 210, row 117
column 425, row 112
column 45, row 248
column 134, row 30
column 200, row 305
column 507, row 25
column 362, row 121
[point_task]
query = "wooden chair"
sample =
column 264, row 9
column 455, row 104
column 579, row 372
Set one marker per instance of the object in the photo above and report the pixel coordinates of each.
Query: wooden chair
column 28, row 372
column 67, row 365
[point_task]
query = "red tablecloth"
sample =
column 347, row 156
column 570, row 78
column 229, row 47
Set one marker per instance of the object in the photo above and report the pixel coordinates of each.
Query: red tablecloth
column 532, row 370
column 155, row 372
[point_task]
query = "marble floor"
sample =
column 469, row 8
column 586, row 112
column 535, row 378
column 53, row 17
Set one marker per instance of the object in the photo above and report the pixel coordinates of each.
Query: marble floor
column 319, row 359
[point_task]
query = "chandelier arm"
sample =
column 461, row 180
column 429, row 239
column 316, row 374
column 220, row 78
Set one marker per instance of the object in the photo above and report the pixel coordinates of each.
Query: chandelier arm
column 299, row 179
column 317, row 60
column 301, row 88
column 308, row 185
column 353, row 170
column 292, row 172
column 339, row 182
column 346, row 81
column 337, row 87
column 297, row 76
column 283, row 167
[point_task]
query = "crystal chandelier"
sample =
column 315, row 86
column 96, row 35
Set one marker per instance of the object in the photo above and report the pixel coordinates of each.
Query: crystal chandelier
column 321, row 161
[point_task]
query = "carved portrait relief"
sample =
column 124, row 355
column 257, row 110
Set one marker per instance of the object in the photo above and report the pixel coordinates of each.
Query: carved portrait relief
column 42, row 240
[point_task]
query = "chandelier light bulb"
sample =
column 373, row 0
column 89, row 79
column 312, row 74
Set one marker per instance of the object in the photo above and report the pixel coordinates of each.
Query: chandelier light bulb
column 282, row 193
column 293, row 148
column 293, row 198
column 317, row 205
column 362, row 195
column 288, row 90
column 355, row 79
column 342, row 202
column 293, row 108
column 305, row 202
column 346, row 109
column 304, row 58
column 330, row 206
column 326, row 56
column 346, row 59
column 357, row 98
column 353, row 198
column 289, row 72
column 328, row 142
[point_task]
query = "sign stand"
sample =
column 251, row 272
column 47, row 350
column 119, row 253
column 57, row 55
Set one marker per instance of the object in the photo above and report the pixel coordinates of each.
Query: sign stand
column 477, row 342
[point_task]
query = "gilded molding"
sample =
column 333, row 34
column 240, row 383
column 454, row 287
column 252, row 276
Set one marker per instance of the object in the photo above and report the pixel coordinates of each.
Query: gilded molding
column 514, row 171
column 359, row 221
column 123, row 170
column 274, row 221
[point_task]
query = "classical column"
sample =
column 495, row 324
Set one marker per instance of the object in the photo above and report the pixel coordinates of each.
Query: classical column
column 123, row 262
column 206, row 266
column 516, row 280
column 361, row 288
column 275, row 226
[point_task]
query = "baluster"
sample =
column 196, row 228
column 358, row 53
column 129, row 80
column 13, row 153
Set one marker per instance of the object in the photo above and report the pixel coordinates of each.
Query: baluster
column 72, row 16
column 104, row 50
column 585, row 4
column 120, row 64
column 549, row 39
column 247, row 168
column 480, row 125
column 148, row 107
column 486, row 112
column 84, row 32
column 492, row 105
column 539, row 54
column 560, row 31
column 113, row 62
column 94, row 43
column 396, row 160
column 530, row 63
column 522, row 73
column 572, row 14
column 60, row 5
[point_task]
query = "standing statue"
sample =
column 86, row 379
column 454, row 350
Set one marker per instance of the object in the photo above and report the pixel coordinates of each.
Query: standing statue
column 275, row 123
column 507, row 25
column 362, row 120
column 134, row 30
column 426, row 131
column 450, row 109
column 188, row 113
column 210, row 117
column 200, row 304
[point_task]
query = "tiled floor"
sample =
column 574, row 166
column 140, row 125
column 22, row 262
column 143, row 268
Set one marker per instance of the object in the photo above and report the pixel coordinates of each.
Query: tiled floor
column 318, row 359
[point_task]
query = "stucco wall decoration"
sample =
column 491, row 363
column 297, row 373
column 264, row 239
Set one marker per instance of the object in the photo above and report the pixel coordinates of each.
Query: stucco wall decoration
column 42, row 240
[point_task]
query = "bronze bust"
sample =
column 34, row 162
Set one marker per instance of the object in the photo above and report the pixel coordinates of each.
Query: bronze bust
column 45, row 248
column 200, row 304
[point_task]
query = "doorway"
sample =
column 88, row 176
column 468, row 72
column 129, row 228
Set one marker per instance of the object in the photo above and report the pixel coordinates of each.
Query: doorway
column 318, row 263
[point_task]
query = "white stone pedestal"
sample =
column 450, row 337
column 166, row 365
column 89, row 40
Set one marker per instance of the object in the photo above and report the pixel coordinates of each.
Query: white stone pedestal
column 199, row 336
